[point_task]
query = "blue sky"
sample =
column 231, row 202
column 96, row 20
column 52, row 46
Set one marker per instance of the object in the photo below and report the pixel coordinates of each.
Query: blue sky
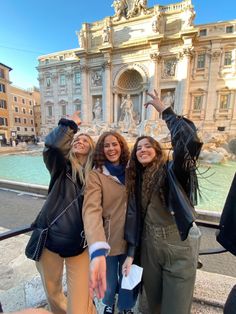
column 30, row 28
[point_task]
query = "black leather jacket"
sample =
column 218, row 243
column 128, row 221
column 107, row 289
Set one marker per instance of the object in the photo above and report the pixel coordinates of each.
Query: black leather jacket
column 181, row 181
column 64, row 237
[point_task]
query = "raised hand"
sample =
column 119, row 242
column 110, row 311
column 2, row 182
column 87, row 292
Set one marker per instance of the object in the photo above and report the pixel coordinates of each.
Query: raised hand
column 97, row 282
column 155, row 102
column 75, row 117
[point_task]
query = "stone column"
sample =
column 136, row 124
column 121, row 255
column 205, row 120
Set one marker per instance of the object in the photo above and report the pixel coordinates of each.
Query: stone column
column 106, row 99
column 156, row 58
column 212, row 96
column 182, row 92
column 143, row 110
column 116, row 105
column 85, row 106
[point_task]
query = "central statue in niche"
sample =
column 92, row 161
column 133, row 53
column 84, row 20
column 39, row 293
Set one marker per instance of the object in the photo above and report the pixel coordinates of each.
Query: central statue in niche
column 127, row 114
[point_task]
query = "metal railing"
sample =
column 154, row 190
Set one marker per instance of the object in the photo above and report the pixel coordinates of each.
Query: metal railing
column 207, row 224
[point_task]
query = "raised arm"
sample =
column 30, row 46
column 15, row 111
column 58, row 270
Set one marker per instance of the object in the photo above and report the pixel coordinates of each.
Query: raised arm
column 58, row 143
column 185, row 142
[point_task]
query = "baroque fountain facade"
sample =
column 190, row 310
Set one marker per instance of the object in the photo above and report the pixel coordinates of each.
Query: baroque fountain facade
column 137, row 49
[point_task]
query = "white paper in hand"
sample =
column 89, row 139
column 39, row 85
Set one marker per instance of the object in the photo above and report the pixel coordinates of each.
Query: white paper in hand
column 133, row 278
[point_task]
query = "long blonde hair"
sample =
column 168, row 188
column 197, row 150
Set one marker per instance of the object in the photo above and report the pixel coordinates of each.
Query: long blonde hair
column 77, row 168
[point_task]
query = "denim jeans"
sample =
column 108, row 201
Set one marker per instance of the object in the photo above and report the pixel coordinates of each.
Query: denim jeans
column 126, row 298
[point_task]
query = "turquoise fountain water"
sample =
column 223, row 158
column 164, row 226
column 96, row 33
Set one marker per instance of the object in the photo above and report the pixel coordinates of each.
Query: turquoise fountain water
column 214, row 183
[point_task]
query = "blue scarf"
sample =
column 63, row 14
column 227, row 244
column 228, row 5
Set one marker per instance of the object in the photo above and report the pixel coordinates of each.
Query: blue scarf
column 116, row 171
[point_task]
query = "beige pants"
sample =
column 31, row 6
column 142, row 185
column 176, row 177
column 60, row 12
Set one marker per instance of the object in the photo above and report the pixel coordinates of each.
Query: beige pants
column 78, row 301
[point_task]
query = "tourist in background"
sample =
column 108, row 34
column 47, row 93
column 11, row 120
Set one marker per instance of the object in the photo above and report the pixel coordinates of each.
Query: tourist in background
column 104, row 213
column 160, row 215
column 68, row 157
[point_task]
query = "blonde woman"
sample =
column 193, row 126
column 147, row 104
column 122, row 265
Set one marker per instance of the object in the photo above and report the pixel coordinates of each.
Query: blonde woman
column 68, row 157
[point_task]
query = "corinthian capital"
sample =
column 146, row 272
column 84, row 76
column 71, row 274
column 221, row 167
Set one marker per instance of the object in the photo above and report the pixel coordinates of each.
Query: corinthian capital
column 155, row 56
column 84, row 68
column 106, row 65
column 186, row 52
column 215, row 55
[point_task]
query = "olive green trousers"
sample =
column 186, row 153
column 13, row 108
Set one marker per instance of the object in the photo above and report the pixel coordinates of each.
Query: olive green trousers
column 169, row 268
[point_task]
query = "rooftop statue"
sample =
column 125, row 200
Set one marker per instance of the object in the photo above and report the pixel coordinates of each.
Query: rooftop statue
column 120, row 7
column 139, row 7
column 188, row 17
column 81, row 39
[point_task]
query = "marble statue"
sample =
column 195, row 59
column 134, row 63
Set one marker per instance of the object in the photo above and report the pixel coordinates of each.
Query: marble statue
column 188, row 17
column 139, row 7
column 96, row 78
column 169, row 68
column 106, row 35
column 97, row 110
column 156, row 23
column 120, row 7
column 81, row 39
column 169, row 99
column 127, row 113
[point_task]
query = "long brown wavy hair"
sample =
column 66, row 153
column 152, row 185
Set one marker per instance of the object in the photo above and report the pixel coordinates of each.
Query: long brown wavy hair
column 154, row 173
column 99, row 156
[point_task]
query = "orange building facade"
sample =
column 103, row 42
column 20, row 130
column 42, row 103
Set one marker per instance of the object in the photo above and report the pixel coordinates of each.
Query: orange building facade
column 4, row 104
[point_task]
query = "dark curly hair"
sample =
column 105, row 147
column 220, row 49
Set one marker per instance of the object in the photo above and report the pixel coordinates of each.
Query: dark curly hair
column 154, row 173
column 99, row 156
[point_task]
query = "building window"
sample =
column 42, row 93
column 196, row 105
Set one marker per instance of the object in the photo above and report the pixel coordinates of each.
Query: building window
column 31, row 121
column 224, row 101
column 201, row 58
column 32, row 129
column 15, row 98
column 2, row 88
column 2, row 73
column 63, row 110
column 228, row 58
column 30, row 103
column 18, row 128
column 48, row 81
column 77, row 78
column 62, row 80
column 16, row 109
column 23, row 101
column 3, row 121
column 23, row 110
column 17, row 120
column 3, row 104
column 203, row 32
column 50, row 111
column 197, row 103
column 229, row 29
column 31, row 112
column 25, row 121
column 26, row 129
